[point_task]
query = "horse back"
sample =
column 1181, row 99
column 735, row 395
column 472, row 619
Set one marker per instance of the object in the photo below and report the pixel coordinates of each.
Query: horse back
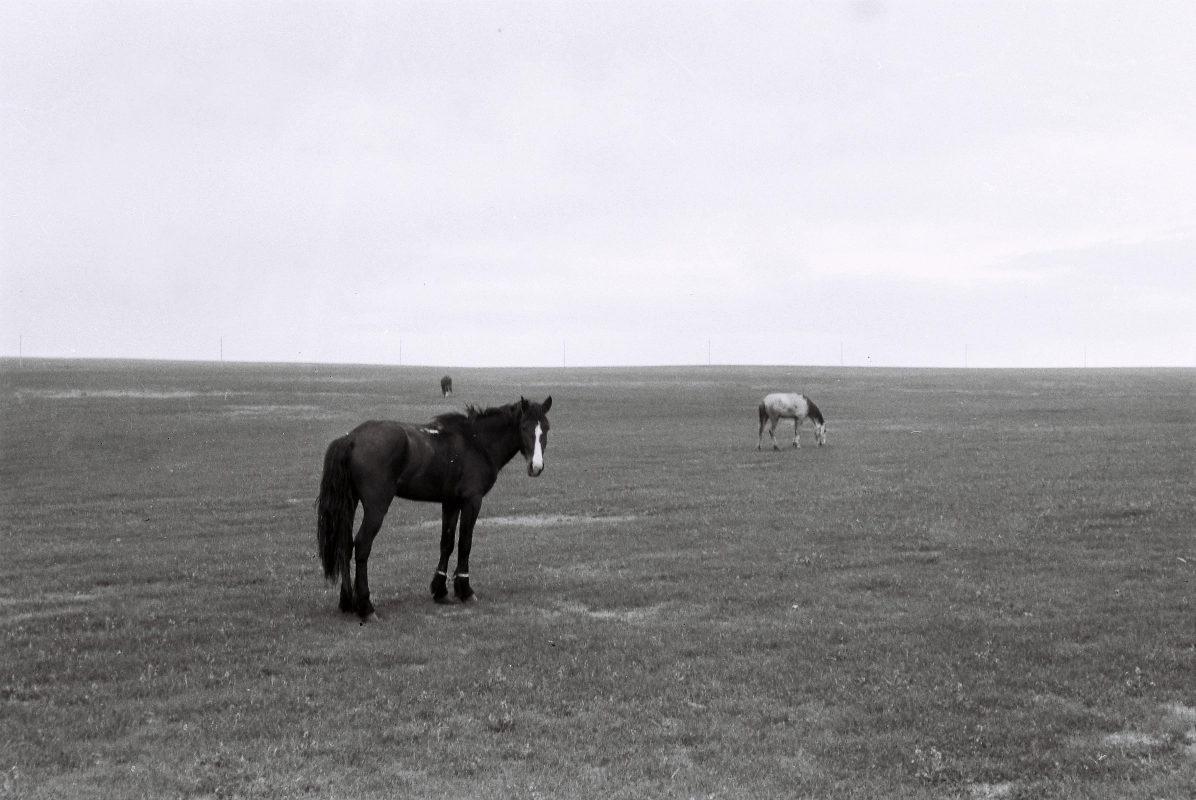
column 416, row 462
column 786, row 404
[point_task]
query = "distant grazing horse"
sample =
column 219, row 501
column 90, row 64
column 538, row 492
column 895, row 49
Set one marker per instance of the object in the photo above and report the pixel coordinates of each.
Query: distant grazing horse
column 453, row 460
column 790, row 406
column 446, row 386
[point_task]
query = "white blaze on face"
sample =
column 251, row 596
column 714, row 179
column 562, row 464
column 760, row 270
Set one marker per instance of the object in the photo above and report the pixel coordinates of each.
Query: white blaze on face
column 538, row 453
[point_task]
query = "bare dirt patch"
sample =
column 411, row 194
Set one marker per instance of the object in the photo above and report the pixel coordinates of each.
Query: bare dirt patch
column 303, row 411
column 78, row 394
column 15, row 609
column 541, row 520
column 616, row 615
column 1132, row 740
column 1181, row 712
column 1180, row 716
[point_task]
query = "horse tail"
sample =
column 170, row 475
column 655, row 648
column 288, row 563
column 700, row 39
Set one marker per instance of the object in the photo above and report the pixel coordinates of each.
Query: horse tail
column 814, row 413
column 335, row 508
column 763, row 415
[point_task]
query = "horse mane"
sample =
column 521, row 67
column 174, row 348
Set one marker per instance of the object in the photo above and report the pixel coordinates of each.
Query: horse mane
column 814, row 413
column 461, row 422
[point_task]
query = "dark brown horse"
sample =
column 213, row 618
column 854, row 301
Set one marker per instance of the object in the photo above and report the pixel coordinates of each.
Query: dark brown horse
column 446, row 386
column 453, row 460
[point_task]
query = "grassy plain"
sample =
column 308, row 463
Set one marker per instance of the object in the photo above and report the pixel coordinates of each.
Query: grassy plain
column 984, row 586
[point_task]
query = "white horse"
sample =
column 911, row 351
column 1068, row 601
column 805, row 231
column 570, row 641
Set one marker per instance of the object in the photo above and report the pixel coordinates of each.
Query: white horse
column 796, row 407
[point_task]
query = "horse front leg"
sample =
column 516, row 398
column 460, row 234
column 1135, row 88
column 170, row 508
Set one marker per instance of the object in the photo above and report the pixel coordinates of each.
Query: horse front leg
column 448, row 525
column 469, row 515
column 772, row 432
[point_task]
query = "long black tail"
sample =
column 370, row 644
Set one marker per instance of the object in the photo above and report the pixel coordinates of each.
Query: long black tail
column 763, row 417
column 335, row 508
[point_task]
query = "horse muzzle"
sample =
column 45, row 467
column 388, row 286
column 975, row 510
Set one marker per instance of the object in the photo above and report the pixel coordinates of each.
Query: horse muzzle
column 533, row 469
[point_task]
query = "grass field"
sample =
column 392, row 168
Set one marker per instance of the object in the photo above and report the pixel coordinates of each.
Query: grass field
column 984, row 586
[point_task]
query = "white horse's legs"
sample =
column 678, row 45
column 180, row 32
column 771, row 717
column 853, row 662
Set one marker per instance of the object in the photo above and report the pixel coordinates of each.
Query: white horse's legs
column 773, row 419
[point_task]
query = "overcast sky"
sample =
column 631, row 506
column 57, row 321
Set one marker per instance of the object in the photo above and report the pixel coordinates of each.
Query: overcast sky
column 521, row 184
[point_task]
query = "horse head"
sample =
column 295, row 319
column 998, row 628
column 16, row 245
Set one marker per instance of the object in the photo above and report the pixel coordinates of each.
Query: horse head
column 533, row 433
column 820, row 432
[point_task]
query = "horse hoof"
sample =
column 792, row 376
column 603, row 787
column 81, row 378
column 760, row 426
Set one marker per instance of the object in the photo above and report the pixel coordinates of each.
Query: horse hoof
column 469, row 598
column 443, row 600
column 370, row 617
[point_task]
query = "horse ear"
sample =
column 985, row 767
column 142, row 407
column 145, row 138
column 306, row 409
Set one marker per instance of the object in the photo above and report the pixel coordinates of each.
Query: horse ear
column 547, row 404
column 523, row 404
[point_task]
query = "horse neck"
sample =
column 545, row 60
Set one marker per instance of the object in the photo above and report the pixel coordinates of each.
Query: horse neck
column 499, row 437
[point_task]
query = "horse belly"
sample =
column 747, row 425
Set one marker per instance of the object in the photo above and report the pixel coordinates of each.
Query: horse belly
column 419, row 492
column 428, row 475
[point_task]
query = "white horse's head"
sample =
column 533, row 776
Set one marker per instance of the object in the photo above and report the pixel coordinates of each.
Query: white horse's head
column 820, row 432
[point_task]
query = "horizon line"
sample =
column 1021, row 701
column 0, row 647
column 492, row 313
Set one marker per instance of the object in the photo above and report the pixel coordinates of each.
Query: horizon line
column 219, row 363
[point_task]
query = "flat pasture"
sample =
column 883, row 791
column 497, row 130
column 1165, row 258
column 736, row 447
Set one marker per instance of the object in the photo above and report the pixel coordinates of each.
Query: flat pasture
column 983, row 586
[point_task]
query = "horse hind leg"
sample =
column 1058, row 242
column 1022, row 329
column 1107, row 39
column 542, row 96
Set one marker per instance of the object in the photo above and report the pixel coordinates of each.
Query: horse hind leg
column 348, row 601
column 797, row 431
column 371, row 523
column 347, row 604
